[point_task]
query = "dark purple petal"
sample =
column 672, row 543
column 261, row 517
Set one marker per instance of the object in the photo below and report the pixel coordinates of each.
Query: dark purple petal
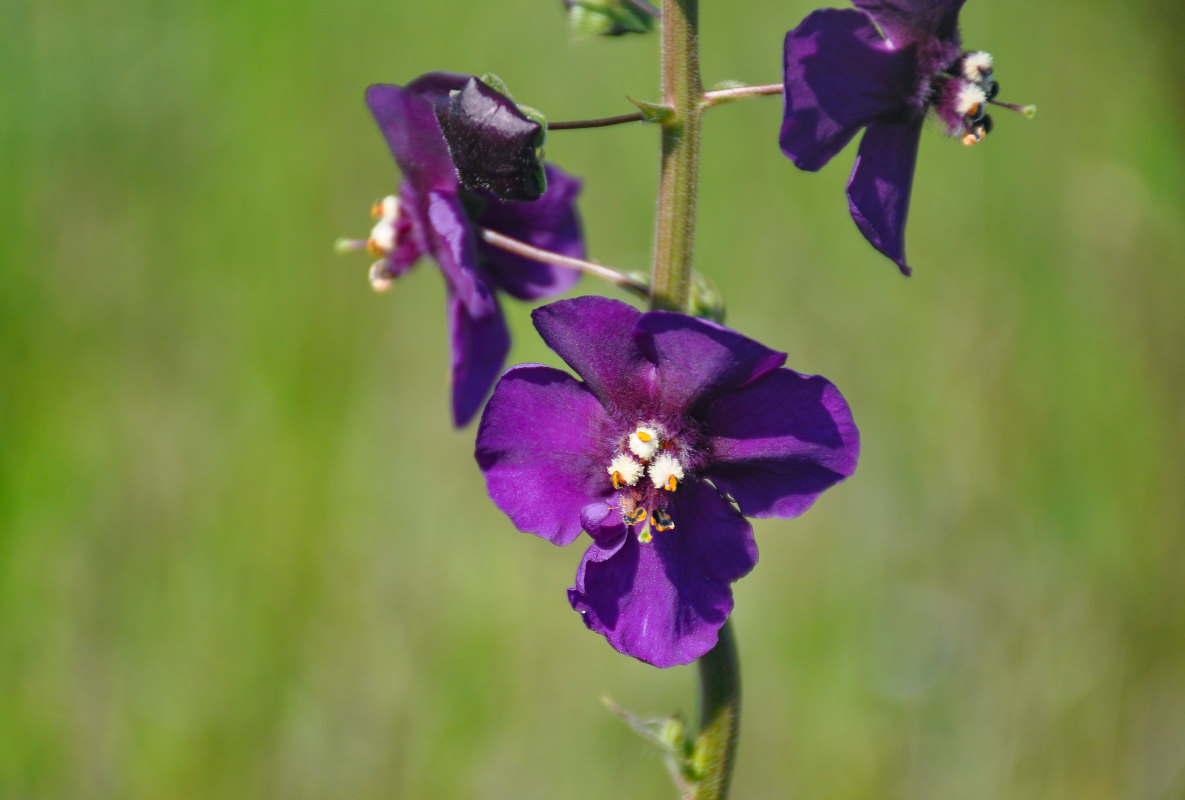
column 840, row 75
column 538, row 445
column 697, row 359
column 907, row 21
column 493, row 145
column 880, row 183
column 479, row 348
column 450, row 240
column 595, row 336
column 550, row 223
column 408, row 123
column 776, row 444
column 434, row 85
column 664, row 601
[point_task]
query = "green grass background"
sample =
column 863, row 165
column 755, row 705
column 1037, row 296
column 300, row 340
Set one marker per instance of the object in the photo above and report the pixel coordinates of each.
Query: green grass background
column 244, row 555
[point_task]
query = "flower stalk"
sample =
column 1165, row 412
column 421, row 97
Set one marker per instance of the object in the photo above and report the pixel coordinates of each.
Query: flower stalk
column 503, row 242
column 720, row 719
column 683, row 93
column 670, row 286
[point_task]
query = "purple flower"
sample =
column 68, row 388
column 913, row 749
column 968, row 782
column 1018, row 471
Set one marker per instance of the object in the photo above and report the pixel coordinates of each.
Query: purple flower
column 843, row 74
column 679, row 429
column 435, row 216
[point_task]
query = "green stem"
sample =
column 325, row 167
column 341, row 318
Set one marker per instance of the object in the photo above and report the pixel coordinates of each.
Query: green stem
column 720, row 720
column 683, row 92
column 670, row 284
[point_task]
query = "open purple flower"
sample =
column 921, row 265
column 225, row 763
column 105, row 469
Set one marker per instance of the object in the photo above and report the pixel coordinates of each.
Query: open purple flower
column 842, row 74
column 435, row 215
column 679, row 429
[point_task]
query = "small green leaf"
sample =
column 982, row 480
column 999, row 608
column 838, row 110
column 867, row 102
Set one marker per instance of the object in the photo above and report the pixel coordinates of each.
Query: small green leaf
column 653, row 112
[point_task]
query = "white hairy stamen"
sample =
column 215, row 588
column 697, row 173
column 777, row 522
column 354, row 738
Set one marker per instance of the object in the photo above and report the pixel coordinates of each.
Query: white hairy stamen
column 627, row 469
column 968, row 98
column 380, row 278
column 976, row 65
column 644, row 442
column 387, row 208
column 664, row 468
column 382, row 235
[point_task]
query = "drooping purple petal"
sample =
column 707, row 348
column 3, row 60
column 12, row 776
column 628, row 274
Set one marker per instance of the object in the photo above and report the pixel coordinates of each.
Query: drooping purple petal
column 478, row 347
column 840, row 75
column 908, row 21
column 664, row 601
column 538, row 445
column 776, row 444
column 405, row 116
column 549, row 223
column 697, row 359
column 451, row 242
column 880, row 184
column 594, row 335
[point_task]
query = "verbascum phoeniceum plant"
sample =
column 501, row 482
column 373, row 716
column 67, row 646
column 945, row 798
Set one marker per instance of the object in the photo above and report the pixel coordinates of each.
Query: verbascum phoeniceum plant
column 671, row 430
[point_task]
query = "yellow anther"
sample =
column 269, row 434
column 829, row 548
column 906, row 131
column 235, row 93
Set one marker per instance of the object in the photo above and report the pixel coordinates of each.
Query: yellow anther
column 634, row 517
column 661, row 521
column 376, row 210
column 375, row 249
column 617, row 480
column 644, row 436
column 672, row 483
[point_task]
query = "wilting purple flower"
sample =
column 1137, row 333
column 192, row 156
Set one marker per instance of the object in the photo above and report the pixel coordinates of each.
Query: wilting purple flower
column 679, row 429
column 842, row 74
column 435, row 216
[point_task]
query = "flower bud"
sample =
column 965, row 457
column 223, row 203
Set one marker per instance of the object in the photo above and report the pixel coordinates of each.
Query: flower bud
column 609, row 17
column 494, row 146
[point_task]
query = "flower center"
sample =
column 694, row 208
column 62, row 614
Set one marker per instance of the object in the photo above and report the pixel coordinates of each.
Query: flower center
column 646, row 467
column 962, row 93
column 381, row 243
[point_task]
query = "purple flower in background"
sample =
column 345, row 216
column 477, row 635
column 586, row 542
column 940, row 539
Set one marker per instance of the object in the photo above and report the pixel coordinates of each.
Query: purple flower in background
column 842, row 74
column 435, row 215
column 679, row 429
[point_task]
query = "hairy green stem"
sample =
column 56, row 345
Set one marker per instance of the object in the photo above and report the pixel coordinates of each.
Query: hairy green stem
column 670, row 285
column 720, row 720
column 683, row 93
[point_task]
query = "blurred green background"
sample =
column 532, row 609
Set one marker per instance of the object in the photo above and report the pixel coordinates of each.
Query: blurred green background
column 243, row 554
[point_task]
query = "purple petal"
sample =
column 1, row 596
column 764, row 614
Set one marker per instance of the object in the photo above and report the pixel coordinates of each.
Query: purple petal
column 697, row 359
column 880, row 183
column 907, row 21
column 664, row 601
column 479, row 348
column 778, row 443
column 595, row 336
column 408, row 123
column 839, row 75
column 451, row 242
column 538, row 445
column 549, row 223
